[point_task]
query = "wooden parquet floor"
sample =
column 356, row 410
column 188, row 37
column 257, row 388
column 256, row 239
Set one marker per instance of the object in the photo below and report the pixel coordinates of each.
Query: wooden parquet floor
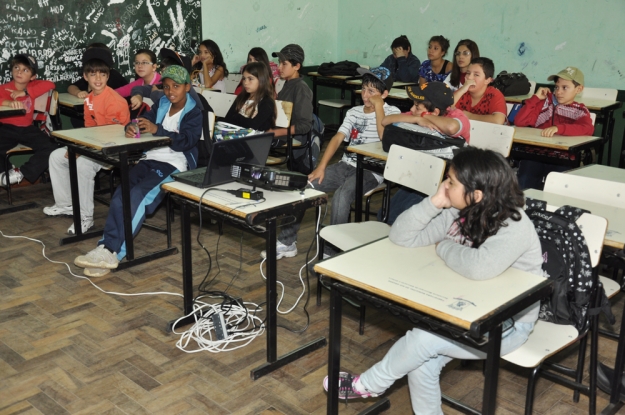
column 67, row 347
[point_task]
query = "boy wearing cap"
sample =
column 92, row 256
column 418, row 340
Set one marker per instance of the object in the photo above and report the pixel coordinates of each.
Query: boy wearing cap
column 362, row 124
column 103, row 106
column 20, row 93
column 177, row 116
column 554, row 113
column 432, row 113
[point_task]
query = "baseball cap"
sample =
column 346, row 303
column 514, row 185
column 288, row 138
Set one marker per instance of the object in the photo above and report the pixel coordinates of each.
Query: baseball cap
column 176, row 73
column 570, row 73
column 291, row 52
column 382, row 73
column 184, row 61
column 438, row 93
column 31, row 61
column 98, row 53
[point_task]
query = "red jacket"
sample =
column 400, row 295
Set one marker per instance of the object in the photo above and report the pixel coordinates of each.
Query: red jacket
column 34, row 88
column 572, row 119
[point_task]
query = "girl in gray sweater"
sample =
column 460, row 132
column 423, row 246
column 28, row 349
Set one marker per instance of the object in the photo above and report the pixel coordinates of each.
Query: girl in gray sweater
column 477, row 222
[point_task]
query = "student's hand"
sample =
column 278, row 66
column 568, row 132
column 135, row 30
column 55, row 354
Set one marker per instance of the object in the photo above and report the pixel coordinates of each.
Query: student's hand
column 376, row 100
column 130, row 132
column 136, row 101
column 147, row 127
column 18, row 105
column 82, row 94
column 16, row 94
column 195, row 60
column 318, row 173
column 542, row 93
column 440, row 199
column 549, row 132
column 468, row 83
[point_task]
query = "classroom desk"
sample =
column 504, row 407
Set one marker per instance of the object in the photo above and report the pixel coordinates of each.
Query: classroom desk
column 258, row 219
column 572, row 147
column 71, row 106
column 372, row 157
column 397, row 86
column 109, row 144
column 332, row 81
column 598, row 171
column 416, row 284
column 603, row 107
column 10, row 112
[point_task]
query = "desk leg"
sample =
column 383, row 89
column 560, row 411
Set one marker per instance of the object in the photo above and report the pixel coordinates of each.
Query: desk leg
column 273, row 362
column 314, row 88
column 124, row 170
column 608, row 135
column 359, row 189
column 619, row 365
column 493, row 351
column 334, row 351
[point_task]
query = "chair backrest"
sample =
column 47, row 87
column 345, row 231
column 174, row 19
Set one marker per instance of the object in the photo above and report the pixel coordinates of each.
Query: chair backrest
column 491, row 136
column 232, row 82
column 46, row 110
column 219, row 102
column 414, row 169
column 283, row 113
column 608, row 94
column 279, row 85
column 532, row 87
column 586, row 188
column 593, row 117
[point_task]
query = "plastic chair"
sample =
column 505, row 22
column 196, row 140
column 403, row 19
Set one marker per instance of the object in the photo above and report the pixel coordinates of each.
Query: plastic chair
column 490, row 136
column 232, row 81
column 219, row 102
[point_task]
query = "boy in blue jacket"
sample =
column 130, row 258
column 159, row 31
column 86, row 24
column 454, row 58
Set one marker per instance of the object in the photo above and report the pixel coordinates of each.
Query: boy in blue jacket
column 177, row 116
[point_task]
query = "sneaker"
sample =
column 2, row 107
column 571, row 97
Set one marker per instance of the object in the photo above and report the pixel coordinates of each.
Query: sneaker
column 85, row 225
column 56, row 210
column 96, row 272
column 282, row 251
column 15, row 176
column 98, row 258
column 348, row 387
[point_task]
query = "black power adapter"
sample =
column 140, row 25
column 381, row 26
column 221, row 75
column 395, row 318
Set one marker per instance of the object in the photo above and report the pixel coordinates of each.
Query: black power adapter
column 247, row 194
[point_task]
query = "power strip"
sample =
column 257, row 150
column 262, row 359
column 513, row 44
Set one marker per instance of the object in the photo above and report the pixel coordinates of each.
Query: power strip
column 219, row 324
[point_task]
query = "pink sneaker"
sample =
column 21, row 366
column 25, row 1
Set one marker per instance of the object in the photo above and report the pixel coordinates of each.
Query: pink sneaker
column 347, row 389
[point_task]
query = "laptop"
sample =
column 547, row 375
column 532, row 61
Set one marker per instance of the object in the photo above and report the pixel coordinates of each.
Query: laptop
column 252, row 149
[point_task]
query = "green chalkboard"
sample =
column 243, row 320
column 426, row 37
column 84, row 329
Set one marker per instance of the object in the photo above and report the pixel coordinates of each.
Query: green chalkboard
column 56, row 32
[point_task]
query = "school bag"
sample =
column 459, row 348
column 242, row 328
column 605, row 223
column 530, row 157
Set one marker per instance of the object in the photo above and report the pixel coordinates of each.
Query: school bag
column 511, row 84
column 343, row 68
column 420, row 138
column 301, row 162
column 566, row 261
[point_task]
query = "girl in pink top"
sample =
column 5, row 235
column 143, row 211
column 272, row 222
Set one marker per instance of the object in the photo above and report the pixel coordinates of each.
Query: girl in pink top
column 145, row 68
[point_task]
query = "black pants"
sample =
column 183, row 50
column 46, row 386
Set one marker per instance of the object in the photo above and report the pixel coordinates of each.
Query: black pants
column 31, row 136
column 532, row 174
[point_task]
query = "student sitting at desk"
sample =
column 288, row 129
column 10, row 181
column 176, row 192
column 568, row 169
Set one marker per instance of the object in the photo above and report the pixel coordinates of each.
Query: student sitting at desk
column 479, row 100
column 404, row 66
column 477, row 222
column 103, row 106
column 254, row 107
column 554, row 113
column 433, row 112
column 436, row 67
column 145, row 67
column 465, row 50
column 209, row 68
column 20, row 93
column 258, row 54
column 361, row 125
column 175, row 116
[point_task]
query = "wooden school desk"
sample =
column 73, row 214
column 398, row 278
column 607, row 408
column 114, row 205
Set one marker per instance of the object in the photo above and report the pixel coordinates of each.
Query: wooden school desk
column 571, row 147
column 598, row 171
column 332, row 81
column 109, row 144
column 372, row 157
column 258, row 219
column 416, row 284
column 397, row 86
column 71, row 106
column 10, row 112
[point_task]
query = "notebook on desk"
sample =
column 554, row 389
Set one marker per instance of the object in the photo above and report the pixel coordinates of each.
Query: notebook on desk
column 252, row 149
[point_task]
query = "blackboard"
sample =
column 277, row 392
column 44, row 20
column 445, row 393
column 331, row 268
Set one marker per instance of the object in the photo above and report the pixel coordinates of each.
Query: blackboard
column 56, row 32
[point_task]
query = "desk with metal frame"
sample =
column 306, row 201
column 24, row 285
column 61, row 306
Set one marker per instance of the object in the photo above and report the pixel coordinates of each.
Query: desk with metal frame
column 6, row 112
column 331, row 81
column 109, row 144
column 372, row 157
column 400, row 280
column 259, row 219
column 10, row 112
column 71, row 106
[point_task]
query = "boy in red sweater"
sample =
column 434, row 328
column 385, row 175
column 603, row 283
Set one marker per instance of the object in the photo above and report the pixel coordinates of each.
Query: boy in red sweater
column 20, row 93
column 554, row 113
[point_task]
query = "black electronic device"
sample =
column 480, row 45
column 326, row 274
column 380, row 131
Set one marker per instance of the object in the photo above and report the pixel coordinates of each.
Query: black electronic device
column 268, row 178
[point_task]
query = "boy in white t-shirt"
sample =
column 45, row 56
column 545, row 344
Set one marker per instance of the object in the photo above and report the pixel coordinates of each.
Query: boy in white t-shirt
column 362, row 124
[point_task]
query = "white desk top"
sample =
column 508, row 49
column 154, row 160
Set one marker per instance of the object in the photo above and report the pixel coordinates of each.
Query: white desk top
column 531, row 136
column 104, row 136
column 317, row 74
column 396, row 84
column 615, row 235
column 419, row 279
column 236, row 206
column 10, row 112
column 598, row 171
column 594, row 104
column 69, row 100
column 370, row 150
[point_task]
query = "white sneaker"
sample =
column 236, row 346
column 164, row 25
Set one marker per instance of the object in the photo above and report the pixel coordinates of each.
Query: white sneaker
column 56, row 210
column 282, row 251
column 98, row 258
column 15, row 176
column 85, row 225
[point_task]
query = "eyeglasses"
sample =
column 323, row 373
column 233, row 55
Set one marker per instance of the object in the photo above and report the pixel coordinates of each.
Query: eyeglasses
column 143, row 63
column 463, row 53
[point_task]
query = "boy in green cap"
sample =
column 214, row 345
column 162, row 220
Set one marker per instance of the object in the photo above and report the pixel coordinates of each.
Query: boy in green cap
column 177, row 116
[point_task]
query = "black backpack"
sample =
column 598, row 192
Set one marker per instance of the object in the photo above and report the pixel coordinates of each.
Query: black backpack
column 408, row 135
column 301, row 159
column 511, row 84
column 344, row 68
column 566, row 261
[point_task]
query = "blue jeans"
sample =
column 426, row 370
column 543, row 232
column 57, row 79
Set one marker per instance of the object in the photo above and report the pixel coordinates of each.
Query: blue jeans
column 402, row 200
column 422, row 355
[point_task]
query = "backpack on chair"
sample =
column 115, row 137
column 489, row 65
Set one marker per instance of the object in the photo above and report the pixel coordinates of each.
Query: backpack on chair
column 566, row 261
column 300, row 162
